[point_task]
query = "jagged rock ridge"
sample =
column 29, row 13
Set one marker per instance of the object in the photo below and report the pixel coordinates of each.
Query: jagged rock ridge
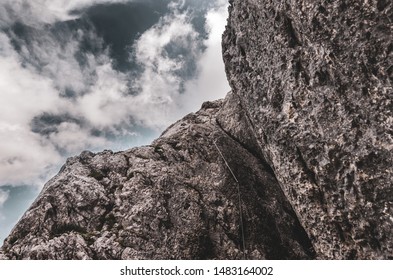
column 307, row 132
column 174, row 199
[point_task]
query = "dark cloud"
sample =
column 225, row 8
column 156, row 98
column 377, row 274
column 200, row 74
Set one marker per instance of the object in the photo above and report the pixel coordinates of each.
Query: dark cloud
column 120, row 24
column 46, row 123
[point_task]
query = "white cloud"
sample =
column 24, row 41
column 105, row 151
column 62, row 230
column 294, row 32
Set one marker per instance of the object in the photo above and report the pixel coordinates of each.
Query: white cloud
column 40, row 12
column 3, row 197
column 34, row 79
column 159, row 83
column 74, row 139
column 26, row 158
column 211, row 83
column 161, row 86
column 32, row 82
column 24, row 94
column 105, row 103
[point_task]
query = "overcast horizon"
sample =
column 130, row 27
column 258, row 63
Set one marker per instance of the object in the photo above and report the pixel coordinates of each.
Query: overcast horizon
column 97, row 74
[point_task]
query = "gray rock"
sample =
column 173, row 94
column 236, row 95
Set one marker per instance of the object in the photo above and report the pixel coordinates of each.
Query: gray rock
column 174, row 199
column 315, row 80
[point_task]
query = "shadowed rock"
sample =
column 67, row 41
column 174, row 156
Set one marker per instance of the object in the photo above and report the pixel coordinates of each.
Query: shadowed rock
column 315, row 79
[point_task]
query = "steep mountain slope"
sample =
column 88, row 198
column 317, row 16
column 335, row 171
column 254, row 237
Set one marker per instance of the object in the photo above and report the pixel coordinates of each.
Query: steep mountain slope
column 174, row 199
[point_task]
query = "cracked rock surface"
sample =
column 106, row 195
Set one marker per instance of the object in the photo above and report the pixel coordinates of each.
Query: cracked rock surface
column 174, row 199
column 315, row 79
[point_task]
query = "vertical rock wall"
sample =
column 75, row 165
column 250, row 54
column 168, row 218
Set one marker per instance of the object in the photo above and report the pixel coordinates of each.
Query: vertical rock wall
column 315, row 78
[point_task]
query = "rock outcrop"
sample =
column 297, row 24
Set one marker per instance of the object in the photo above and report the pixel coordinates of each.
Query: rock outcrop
column 315, row 79
column 295, row 163
column 174, row 199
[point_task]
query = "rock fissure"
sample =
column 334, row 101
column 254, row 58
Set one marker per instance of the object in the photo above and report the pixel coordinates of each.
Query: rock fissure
column 239, row 201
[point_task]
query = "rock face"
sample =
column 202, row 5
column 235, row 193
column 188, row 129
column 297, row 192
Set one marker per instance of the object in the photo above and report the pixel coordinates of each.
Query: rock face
column 174, row 199
column 295, row 163
column 315, row 79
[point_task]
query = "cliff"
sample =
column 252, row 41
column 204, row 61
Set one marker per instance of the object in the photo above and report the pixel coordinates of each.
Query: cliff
column 295, row 163
column 174, row 199
column 315, row 78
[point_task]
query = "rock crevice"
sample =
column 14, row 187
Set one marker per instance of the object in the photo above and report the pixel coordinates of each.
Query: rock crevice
column 173, row 199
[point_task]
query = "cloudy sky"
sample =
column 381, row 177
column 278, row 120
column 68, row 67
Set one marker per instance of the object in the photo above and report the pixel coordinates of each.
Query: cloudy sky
column 97, row 74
